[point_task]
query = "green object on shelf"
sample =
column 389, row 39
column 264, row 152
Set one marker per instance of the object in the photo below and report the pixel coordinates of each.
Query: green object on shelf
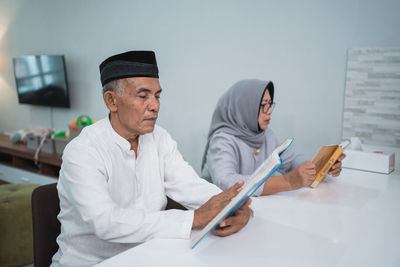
column 61, row 134
column 83, row 121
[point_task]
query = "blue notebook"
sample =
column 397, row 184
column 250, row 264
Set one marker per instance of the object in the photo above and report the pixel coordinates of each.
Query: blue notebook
column 258, row 178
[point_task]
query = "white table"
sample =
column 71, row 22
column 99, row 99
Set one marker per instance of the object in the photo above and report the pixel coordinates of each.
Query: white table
column 353, row 220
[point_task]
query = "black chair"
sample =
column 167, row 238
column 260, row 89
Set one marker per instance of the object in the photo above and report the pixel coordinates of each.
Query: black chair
column 46, row 227
column 172, row 204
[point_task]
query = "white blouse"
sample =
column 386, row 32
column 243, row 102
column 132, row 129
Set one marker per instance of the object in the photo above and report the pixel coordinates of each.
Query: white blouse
column 112, row 200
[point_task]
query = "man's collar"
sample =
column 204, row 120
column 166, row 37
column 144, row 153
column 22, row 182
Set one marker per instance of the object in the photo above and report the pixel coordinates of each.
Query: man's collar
column 119, row 140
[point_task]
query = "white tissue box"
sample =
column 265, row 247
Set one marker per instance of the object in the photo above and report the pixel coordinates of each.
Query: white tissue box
column 369, row 161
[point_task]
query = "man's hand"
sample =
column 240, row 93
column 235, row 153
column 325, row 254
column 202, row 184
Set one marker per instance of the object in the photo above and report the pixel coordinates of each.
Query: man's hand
column 302, row 176
column 337, row 167
column 236, row 222
column 204, row 214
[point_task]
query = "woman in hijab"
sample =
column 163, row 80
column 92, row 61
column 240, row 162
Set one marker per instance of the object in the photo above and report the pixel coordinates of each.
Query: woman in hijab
column 239, row 140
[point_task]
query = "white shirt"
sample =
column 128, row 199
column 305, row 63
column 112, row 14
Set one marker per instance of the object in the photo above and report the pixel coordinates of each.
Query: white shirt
column 111, row 201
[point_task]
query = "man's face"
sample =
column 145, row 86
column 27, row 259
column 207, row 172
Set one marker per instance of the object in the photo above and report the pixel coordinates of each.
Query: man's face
column 138, row 106
column 264, row 117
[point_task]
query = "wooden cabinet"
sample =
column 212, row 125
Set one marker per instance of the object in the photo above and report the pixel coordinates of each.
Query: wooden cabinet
column 19, row 156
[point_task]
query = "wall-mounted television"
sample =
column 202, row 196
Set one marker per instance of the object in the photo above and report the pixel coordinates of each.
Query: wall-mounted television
column 41, row 80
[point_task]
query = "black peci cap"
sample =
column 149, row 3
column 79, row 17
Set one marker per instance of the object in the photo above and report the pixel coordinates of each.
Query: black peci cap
column 129, row 64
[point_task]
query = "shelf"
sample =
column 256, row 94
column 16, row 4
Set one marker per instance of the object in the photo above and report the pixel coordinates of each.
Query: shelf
column 19, row 156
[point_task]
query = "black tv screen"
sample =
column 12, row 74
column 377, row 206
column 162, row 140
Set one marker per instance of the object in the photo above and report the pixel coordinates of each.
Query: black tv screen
column 41, row 80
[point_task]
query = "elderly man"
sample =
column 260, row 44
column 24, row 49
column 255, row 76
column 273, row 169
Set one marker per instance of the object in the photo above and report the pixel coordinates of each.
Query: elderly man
column 116, row 175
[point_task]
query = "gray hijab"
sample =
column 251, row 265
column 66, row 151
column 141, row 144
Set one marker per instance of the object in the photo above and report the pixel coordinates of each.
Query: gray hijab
column 237, row 112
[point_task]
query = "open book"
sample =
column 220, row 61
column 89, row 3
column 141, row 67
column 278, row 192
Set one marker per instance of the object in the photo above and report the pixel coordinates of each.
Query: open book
column 324, row 160
column 258, row 178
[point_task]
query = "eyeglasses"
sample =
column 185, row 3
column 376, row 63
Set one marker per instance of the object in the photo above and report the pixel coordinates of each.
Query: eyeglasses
column 265, row 107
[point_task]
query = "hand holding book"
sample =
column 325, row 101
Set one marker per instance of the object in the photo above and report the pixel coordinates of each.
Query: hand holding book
column 204, row 214
column 301, row 176
column 337, row 166
column 328, row 160
column 236, row 222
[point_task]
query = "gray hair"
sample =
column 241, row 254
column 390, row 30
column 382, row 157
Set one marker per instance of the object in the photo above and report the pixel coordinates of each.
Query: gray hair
column 115, row 85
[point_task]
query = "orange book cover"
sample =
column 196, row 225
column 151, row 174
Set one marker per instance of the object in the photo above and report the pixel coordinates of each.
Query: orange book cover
column 324, row 159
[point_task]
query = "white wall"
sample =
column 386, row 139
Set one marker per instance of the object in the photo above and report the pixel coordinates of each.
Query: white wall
column 202, row 48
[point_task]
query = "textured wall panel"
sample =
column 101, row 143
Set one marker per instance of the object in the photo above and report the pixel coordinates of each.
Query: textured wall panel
column 372, row 96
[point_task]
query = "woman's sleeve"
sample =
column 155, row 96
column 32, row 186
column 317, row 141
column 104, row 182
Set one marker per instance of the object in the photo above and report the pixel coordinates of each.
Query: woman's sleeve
column 290, row 159
column 223, row 163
